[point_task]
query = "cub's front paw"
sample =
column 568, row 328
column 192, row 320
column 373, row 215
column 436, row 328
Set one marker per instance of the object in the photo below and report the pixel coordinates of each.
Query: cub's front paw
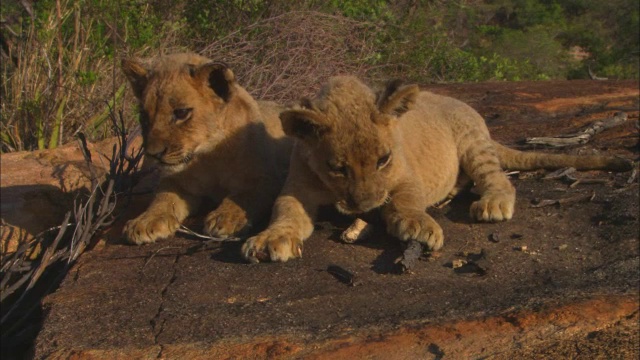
column 494, row 207
column 226, row 222
column 147, row 228
column 416, row 225
column 277, row 245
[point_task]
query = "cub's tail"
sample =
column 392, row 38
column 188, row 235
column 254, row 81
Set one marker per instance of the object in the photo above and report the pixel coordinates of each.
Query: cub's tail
column 519, row 160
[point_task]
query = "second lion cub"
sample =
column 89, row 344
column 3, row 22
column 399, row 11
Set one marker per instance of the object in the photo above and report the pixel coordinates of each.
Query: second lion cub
column 399, row 151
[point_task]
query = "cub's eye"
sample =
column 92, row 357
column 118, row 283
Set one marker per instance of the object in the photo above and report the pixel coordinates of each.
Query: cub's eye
column 384, row 160
column 337, row 169
column 181, row 114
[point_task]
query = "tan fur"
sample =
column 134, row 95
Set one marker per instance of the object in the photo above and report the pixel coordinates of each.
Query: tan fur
column 211, row 139
column 399, row 151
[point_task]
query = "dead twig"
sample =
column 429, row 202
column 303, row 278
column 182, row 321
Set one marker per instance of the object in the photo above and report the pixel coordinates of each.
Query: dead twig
column 593, row 75
column 185, row 230
column 561, row 173
column 589, row 181
column 156, row 253
column 633, row 176
column 443, row 203
column 581, row 137
column 626, row 188
column 567, row 174
column 565, row 201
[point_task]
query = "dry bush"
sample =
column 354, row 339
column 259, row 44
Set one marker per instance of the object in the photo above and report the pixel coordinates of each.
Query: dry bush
column 290, row 55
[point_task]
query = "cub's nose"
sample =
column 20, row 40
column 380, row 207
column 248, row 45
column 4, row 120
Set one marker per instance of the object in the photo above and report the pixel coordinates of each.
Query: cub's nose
column 361, row 202
column 351, row 202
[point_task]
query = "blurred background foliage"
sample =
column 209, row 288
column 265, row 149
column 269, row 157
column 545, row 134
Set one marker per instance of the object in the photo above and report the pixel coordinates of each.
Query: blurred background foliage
column 60, row 58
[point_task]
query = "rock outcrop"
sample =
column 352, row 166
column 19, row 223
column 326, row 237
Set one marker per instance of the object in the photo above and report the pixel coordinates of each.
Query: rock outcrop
column 557, row 281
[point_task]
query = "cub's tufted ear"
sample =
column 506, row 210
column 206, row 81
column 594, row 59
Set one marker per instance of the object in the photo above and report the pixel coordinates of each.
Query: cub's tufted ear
column 218, row 76
column 396, row 99
column 137, row 74
column 303, row 124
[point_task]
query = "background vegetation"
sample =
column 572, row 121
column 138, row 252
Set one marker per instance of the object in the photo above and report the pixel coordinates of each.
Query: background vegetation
column 60, row 58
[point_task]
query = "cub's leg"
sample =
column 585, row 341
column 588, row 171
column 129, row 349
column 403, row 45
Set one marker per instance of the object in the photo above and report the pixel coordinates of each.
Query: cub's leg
column 291, row 224
column 292, row 220
column 497, row 195
column 163, row 217
column 236, row 214
column 406, row 218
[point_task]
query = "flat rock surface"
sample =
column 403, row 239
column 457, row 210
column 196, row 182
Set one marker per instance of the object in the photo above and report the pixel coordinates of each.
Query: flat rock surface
column 557, row 281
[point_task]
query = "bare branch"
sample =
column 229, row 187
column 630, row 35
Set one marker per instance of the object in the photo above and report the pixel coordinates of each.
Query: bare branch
column 581, row 137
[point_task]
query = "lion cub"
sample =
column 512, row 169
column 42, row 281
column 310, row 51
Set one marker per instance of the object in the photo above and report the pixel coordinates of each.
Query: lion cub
column 211, row 139
column 399, row 151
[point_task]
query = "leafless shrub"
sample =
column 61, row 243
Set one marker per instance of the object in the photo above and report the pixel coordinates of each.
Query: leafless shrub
column 38, row 266
column 289, row 55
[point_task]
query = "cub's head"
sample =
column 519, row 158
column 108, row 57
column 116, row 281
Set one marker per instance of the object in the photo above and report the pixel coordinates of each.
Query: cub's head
column 183, row 98
column 349, row 133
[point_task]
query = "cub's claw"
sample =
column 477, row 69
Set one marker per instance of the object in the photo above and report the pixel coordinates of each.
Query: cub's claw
column 226, row 222
column 272, row 245
column 416, row 226
column 493, row 207
column 148, row 228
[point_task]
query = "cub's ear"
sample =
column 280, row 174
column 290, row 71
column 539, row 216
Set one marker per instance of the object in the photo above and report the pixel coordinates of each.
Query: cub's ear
column 303, row 124
column 137, row 74
column 218, row 76
column 396, row 99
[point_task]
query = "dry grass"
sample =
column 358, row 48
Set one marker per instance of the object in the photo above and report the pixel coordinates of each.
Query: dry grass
column 44, row 94
column 47, row 98
column 58, row 78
